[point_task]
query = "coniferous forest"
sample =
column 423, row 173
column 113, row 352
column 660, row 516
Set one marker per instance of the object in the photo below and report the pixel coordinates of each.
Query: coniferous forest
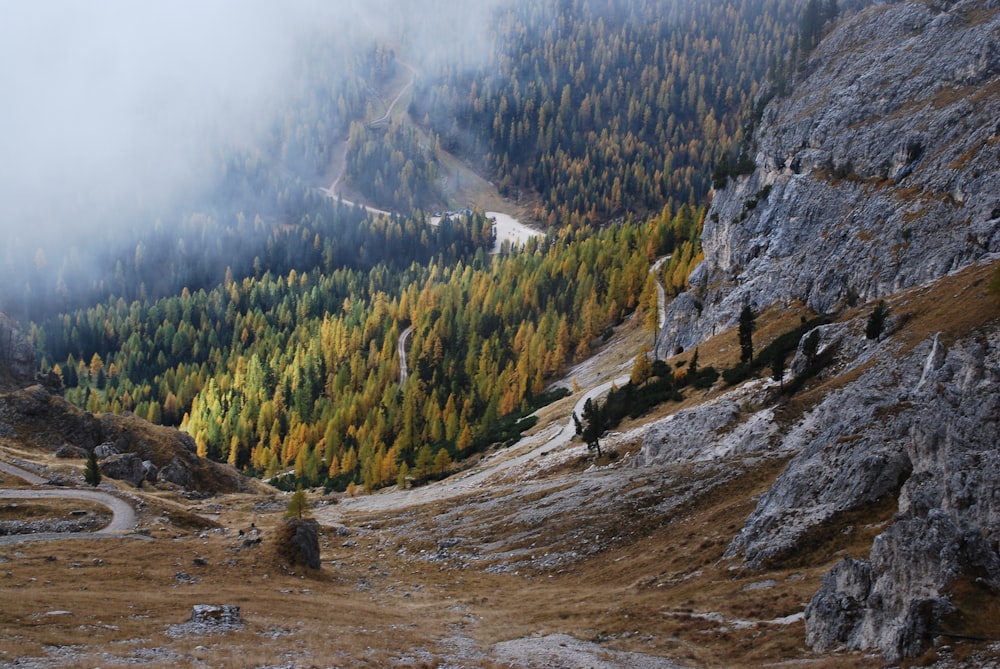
column 263, row 316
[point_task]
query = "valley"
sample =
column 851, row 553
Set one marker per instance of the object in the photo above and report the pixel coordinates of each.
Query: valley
column 701, row 368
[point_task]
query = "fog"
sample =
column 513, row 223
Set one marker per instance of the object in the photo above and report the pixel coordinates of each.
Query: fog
column 115, row 104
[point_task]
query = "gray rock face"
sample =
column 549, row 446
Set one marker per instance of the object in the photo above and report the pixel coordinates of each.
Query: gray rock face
column 106, row 450
column 681, row 437
column 124, row 467
column 877, row 173
column 949, row 516
column 176, row 472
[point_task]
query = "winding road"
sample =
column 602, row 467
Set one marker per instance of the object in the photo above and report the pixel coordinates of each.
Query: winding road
column 404, row 371
column 123, row 519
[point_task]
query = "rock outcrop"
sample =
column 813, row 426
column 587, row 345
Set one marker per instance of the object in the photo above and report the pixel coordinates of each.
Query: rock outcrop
column 124, row 467
column 44, row 420
column 877, row 173
column 945, row 534
column 298, row 542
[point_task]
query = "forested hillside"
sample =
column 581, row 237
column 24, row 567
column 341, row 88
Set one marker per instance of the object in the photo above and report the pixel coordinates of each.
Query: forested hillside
column 264, row 317
column 604, row 108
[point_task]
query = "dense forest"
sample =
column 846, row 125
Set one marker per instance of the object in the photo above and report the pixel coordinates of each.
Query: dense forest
column 264, row 317
column 603, row 108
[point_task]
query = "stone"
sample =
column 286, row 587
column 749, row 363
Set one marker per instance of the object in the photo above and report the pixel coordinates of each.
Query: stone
column 68, row 451
column 176, row 472
column 225, row 615
column 106, row 450
column 151, row 471
column 298, row 541
column 124, row 467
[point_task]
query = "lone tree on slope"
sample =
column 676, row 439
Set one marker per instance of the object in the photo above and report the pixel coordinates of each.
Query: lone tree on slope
column 747, row 326
column 92, row 472
column 592, row 426
column 876, row 321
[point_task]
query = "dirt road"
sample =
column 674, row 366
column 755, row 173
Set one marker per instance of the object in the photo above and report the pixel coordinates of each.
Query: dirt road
column 123, row 520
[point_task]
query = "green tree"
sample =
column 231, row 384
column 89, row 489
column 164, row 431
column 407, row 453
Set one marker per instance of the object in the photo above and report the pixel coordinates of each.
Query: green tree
column 592, row 427
column 298, row 505
column 747, row 325
column 876, row 321
column 92, row 471
column 778, row 366
column 810, row 347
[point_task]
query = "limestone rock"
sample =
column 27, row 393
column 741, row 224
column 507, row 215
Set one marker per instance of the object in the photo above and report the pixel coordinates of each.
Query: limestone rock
column 71, row 452
column 877, row 173
column 208, row 614
column 124, row 467
column 106, row 450
column 298, row 541
column 175, row 472
column 151, row 470
column 681, row 437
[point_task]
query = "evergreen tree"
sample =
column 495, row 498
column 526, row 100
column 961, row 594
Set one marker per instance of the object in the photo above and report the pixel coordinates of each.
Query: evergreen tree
column 747, row 325
column 92, row 472
column 876, row 321
column 591, row 428
column 778, row 366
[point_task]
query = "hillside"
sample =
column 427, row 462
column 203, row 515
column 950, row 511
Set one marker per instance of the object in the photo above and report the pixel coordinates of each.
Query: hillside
column 830, row 500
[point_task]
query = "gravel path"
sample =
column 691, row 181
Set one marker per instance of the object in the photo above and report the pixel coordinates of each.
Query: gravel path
column 123, row 520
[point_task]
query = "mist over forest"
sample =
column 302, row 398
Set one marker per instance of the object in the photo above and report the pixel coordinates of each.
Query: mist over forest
column 119, row 117
column 184, row 235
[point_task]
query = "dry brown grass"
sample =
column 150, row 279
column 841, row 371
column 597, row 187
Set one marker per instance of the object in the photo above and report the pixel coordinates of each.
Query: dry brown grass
column 49, row 508
column 662, row 589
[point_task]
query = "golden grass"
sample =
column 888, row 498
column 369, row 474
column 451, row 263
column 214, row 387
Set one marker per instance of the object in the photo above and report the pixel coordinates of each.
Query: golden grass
column 48, row 508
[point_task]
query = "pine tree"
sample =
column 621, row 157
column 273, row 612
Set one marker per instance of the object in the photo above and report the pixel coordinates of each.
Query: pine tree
column 876, row 321
column 592, row 426
column 747, row 325
column 92, row 472
column 778, row 366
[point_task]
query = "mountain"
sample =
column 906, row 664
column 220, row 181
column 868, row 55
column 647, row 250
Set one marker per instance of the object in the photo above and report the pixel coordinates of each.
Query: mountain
column 874, row 178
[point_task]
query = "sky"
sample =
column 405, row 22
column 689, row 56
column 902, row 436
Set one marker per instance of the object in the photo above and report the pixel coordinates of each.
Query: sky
column 112, row 102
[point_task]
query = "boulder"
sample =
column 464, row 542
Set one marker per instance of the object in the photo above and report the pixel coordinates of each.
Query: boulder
column 298, row 541
column 69, row 451
column 124, row 467
column 225, row 615
column 106, row 450
column 151, row 470
column 176, row 472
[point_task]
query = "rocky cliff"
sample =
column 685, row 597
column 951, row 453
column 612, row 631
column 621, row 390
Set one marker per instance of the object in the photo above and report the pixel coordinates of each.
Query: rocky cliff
column 877, row 174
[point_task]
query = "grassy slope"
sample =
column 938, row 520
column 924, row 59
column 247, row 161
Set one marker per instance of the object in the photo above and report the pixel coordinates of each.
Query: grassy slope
column 648, row 575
